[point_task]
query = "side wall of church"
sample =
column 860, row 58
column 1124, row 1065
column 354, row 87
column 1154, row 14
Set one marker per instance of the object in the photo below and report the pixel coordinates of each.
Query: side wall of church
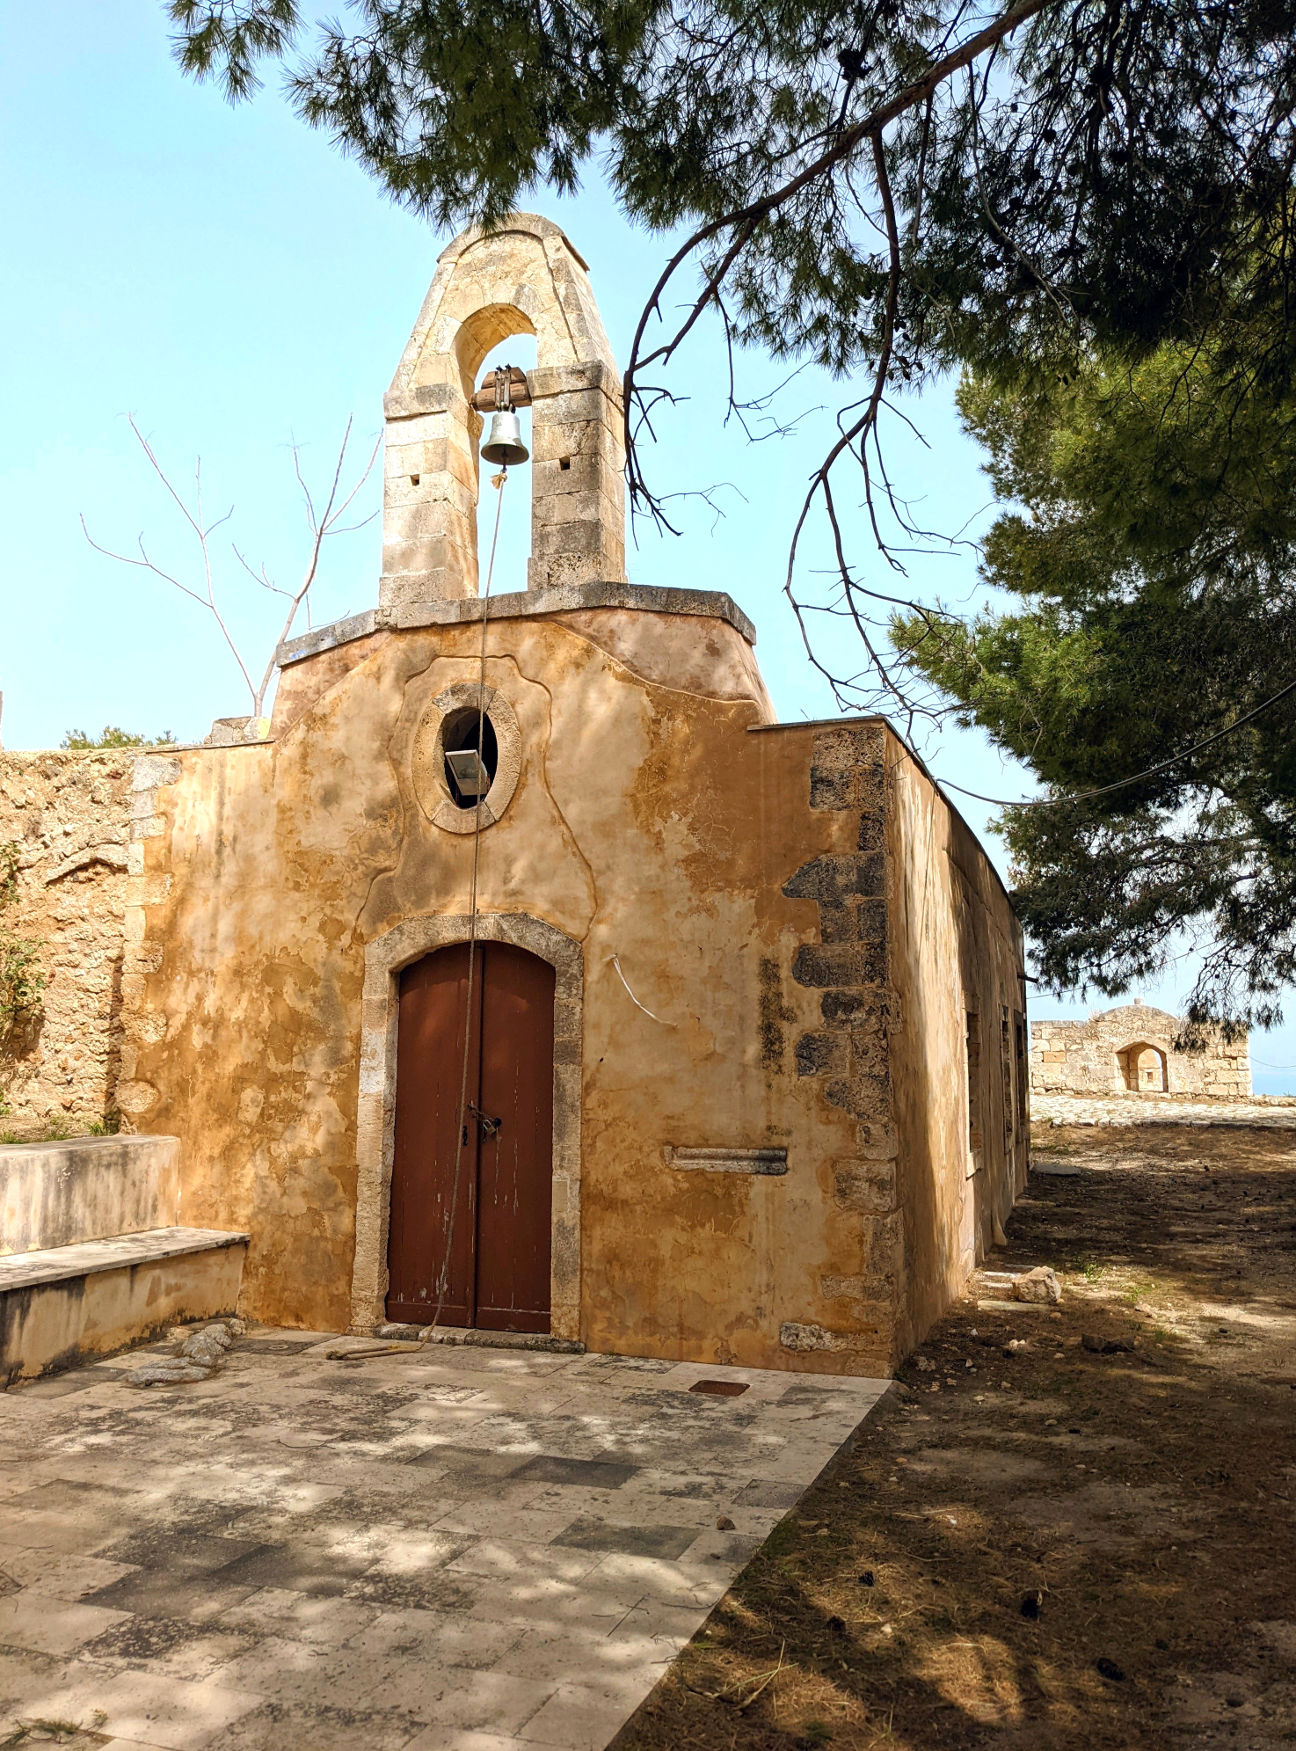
column 68, row 817
column 958, row 1043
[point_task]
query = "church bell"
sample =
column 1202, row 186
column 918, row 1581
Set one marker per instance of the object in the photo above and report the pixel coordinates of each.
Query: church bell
column 504, row 440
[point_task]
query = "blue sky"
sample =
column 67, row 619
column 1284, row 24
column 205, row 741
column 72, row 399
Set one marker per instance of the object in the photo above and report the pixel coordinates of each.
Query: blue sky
column 232, row 282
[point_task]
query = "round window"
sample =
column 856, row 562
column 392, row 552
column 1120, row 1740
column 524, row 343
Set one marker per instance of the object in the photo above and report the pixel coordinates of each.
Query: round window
column 467, row 758
column 470, row 749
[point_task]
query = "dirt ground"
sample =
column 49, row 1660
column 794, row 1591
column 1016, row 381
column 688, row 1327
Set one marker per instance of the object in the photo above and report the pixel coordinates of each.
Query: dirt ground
column 1039, row 1542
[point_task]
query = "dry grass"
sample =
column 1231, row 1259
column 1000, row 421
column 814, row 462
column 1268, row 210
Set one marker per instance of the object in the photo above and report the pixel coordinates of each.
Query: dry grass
column 1051, row 1548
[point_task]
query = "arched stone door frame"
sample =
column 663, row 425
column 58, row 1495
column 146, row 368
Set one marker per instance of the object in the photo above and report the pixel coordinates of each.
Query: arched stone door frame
column 385, row 957
column 1127, row 1061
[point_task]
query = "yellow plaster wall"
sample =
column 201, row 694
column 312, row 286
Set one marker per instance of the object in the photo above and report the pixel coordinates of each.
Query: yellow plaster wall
column 646, row 824
column 955, row 945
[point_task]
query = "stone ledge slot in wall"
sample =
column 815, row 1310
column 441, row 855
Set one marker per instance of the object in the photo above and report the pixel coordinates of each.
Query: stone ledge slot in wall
column 770, row 1161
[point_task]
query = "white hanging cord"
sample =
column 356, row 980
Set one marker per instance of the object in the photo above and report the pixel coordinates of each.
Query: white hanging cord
column 630, row 994
column 497, row 481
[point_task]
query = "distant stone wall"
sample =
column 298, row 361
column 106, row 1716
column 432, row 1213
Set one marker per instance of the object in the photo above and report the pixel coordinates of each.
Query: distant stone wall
column 69, row 814
column 1130, row 1051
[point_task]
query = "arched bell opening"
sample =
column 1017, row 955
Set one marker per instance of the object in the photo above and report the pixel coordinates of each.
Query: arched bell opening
column 520, row 293
column 514, row 503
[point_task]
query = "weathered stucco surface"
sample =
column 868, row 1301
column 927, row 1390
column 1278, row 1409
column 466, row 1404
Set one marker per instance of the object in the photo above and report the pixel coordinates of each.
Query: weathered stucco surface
column 635, row 828
column 797, row 908
column 69, row 814
column 1091, row 1057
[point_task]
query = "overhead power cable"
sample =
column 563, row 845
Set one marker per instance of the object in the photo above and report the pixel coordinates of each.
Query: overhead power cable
column 1080, row 796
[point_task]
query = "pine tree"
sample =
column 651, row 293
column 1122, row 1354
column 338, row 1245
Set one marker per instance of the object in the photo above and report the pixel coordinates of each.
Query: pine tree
column 1151, row 572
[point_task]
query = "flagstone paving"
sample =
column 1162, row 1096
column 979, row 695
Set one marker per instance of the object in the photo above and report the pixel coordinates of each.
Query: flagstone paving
column 454, row 1550
column 1271, row 1113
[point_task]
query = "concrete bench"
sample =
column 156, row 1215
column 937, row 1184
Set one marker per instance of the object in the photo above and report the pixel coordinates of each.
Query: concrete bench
column 56, row 1194
column 59, row 1303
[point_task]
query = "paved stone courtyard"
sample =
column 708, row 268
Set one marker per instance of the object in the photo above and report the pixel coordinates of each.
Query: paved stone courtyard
column 1075, row 1109
column 454, row 1550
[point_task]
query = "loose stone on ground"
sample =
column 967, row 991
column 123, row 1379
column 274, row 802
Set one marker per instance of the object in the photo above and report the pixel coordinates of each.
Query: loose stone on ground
column 197, row 1355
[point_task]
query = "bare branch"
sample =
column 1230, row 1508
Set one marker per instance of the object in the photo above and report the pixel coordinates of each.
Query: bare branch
column 743, row 221
column 321, row 528
column 322, row 524
column 259, row 577
column 867, row 607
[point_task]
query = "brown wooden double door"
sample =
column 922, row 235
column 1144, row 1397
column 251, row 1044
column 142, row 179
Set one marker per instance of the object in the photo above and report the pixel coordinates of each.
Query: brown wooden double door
column 481, row 1250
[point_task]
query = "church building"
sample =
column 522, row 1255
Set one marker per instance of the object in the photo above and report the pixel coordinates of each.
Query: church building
column 524, row 973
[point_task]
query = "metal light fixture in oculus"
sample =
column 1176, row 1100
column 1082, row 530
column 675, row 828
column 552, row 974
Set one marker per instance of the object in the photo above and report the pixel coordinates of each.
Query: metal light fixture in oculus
column 468, row 771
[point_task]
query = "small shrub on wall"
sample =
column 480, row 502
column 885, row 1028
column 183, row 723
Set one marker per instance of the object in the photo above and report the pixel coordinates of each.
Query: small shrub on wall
column 21, row 977
column 113, row 737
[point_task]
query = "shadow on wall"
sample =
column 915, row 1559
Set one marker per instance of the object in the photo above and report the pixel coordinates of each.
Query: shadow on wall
column 19, row 1037
column 996, row 1141
column 959, row 1056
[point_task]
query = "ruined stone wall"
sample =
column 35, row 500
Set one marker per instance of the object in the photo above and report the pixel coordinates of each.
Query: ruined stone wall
column 70, row 816
column 1085, row 1057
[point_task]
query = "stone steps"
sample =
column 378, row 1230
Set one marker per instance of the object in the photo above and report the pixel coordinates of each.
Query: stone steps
column 93, row 1255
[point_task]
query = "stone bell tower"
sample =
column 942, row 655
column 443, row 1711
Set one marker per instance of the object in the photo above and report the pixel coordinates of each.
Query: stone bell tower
column 524, row 278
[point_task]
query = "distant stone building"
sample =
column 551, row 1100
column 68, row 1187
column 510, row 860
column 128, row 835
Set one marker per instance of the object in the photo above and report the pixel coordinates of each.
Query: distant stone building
column 1131, row 1050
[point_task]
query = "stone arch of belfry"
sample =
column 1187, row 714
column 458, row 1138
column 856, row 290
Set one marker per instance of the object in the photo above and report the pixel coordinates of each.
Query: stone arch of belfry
column 522, row 278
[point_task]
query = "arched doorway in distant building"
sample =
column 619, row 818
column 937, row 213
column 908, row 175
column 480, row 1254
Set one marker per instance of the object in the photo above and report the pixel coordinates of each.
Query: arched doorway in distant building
column 1143, row 1068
